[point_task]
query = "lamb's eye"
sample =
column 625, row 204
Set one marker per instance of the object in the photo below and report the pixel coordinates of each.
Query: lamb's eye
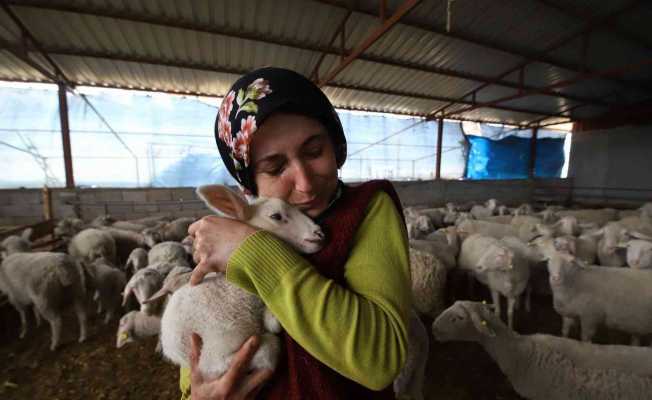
column 276, row 216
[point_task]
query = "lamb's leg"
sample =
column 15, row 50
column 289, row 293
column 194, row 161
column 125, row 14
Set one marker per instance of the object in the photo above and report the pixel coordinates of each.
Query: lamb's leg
column 528, row 298
column 588, row 328
column 266, row 356
column 636, row 340
column 495, row 296
column 55, row 327
column 566, row 326
column 80, row 310
column 37, row 316
column 23, row 320
column 511, row 301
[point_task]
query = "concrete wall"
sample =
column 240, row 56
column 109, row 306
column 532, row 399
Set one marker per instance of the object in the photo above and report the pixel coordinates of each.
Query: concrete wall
column 612, row 166
column 25, row 206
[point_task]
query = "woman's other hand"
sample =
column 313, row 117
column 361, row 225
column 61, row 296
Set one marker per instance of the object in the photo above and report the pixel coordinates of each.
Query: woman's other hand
column 215, row 239
column 235, row 384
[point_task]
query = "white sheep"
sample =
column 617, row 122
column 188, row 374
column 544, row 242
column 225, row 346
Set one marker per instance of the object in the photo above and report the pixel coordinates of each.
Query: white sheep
column 222, row 314
column 619, row 298
column 16, row 244
column 49, row 282
column 639, row 253
column 487, row 210
column 492, row 229
column 445, row 246
column 108, row 283
column 143, row 284
column 428, row 275
column 91, row 244
column 500, row 265
column 125, row 242
column 137, row 325
column 168, row 252
column 545, row 367
column 175, row 279
column 137, row 260
column 596, row 216
column 168, row 231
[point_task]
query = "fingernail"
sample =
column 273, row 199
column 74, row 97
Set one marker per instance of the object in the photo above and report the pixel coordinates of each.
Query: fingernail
column 253, row 342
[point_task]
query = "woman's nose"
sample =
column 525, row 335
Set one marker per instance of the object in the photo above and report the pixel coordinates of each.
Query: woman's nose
column 303, row 178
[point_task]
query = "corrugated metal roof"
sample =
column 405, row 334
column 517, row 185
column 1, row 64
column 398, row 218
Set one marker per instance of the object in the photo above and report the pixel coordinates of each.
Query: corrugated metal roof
column 416, row 68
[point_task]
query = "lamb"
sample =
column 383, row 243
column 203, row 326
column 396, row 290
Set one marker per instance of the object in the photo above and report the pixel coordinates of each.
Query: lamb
column 125, row 242
column 639, row 253
column 143, row 284
column 175, row 279
column 69, row 227
column 599, row 216
column 170, row 231
column 136, row 325
column 223, row 314
column 49, row 281
column 168, row 252
column 500, row 265
column 524, row 209
column 545, row 367
column 137, row 260
column 445, row 246
column 419, row 226
column 495, row 230
column 92, row 243
column 619, row 298
column 16, row 244
column 487, row 210
column 108, row 282
column 610, row 236
column 428, row 282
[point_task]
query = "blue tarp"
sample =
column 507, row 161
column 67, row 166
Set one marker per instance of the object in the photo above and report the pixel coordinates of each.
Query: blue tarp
column 509, row 158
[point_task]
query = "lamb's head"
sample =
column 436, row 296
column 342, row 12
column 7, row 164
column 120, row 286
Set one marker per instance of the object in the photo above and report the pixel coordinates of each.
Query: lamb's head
column 639, row 253
column 16, row 244
column 561, row 268
column 491, row 204
column 270, row 214
column 103, row 220
column 464, row 321
column 125, row 329
column 496, row 258
column 152, row 236
column 565, row 244
column 548, row 216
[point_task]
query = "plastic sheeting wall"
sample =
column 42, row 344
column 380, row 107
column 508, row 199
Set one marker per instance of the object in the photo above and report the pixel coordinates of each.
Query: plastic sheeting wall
column 507, row 156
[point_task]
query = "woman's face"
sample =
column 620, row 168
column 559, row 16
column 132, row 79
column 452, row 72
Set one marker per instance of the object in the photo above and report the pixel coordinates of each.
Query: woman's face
column 294, row 160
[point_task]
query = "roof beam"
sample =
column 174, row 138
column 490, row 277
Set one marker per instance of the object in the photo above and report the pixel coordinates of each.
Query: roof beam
column 555, row 44
column 340, row 30
column 581, row 77
column 528, row 56
column 402, row 10
column 328, row 50
column 213, row 68
column 609, row 25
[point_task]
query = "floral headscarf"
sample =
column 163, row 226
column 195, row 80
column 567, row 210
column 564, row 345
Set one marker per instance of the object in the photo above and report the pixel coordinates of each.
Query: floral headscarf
column 256, row 96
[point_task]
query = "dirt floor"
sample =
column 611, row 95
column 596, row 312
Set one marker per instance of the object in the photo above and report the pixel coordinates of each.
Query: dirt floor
column 97, row 370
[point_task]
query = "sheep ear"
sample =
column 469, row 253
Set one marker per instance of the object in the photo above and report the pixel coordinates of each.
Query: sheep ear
column 224, row 201
column 479, row 322
column 639, row 235
column 27, row 233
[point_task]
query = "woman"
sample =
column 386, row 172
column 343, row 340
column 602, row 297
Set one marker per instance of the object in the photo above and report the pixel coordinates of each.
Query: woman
column 344, row 309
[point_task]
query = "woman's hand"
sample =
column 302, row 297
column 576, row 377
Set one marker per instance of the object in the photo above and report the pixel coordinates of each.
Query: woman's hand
column 235, row 384
column 215, row 238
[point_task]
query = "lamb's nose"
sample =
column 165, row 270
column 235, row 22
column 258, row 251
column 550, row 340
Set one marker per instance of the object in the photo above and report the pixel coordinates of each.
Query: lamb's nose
column 320, row 234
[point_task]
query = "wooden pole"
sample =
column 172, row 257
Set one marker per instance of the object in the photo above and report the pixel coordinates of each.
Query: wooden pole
column 47, row 203
column 533, row 153
column 440, row 136
column 65, row 136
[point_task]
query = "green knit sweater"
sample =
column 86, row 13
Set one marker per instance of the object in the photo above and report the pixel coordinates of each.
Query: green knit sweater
column 360, row 330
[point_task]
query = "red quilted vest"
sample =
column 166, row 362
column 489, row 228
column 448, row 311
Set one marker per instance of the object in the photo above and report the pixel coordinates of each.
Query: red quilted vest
column 300, row 376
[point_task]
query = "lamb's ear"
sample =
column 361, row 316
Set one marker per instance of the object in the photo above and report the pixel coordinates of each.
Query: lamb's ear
column 639, row 235
column 479, row 322
column 27, row 233
column 224, row 201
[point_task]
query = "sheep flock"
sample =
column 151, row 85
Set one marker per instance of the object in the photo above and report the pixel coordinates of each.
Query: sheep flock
column 482, row 273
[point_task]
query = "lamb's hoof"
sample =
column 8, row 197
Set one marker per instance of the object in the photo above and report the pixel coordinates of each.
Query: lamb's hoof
column 82, row 339
column 22, row 335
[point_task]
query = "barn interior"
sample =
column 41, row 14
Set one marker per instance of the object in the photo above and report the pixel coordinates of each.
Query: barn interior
column 108, row 109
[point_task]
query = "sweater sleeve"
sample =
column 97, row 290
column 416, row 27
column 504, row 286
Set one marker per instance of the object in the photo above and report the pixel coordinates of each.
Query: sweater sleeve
column 359, row 330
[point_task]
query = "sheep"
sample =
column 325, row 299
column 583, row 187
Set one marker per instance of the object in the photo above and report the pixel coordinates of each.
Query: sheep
column 545, row 367
column 137, row 260
column 504, row 210
column 599, row 216
column 169, row 231
column 428, row 282
column 484, row 211
column 108, row 282
column 92, row 243
column 221, row 313
column 419, row 226
column 524, row 209
column 639, row 253
column 49, row 281
column 125, row 242
column 143, row 284
column 136, row 325
column 495, row 230
column 16, row 244
column 500, row 265
column 168, row 252
column 175, row 279
column 409, row 382
column 619, row 298
column 444, row 246
column 610, row 235
column 69, row 227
